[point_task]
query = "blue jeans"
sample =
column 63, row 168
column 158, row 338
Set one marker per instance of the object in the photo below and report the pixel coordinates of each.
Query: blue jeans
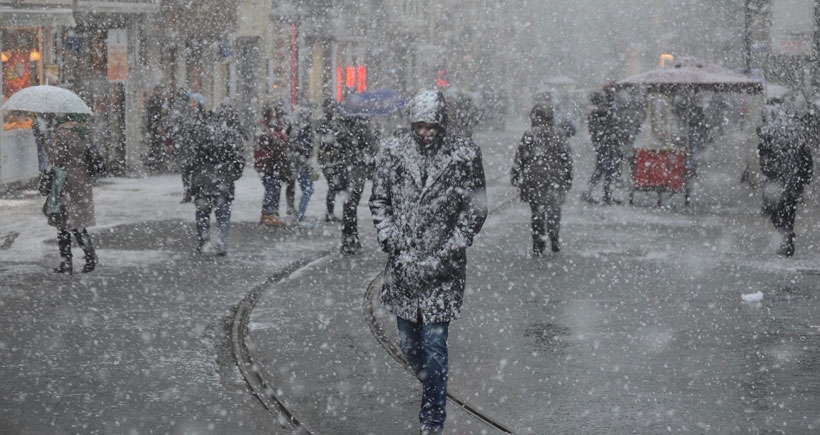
column 273, row 185
column 306, row 186
column 222, row 211
column 425, row 347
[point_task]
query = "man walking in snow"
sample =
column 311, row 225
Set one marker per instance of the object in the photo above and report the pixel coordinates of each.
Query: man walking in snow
column 428, row 202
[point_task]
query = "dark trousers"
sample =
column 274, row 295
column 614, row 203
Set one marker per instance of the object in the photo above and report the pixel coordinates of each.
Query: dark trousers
column 82, row 238
column 546, row 221
column 350, row 225
column 783, row 214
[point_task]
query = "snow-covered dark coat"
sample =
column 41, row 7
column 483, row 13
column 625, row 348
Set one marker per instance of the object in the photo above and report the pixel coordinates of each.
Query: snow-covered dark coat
column 784, row 154
column 425, row 224
column 542, row 169
column 218, row 160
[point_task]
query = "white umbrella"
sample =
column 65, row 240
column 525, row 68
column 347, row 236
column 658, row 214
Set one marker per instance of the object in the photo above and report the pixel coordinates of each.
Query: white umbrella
column 46, row 99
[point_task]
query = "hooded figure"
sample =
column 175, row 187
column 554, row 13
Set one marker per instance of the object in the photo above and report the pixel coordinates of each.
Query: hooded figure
column 428, row 202
column 542, row 170
column 218, row 161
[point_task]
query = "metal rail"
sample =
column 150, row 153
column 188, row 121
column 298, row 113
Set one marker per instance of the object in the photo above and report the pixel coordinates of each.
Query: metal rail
column 266, row 393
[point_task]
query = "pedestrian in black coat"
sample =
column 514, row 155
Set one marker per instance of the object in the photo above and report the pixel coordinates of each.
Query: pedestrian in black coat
column 602, row 125
column 542, row 170
column 786, row 161
column 357, row 148
column 218, row 158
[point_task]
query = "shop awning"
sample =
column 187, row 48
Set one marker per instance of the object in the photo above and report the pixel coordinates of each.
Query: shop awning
column 18, row 17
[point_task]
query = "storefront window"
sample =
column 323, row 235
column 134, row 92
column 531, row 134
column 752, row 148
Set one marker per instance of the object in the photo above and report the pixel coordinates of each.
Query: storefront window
column 22, row 59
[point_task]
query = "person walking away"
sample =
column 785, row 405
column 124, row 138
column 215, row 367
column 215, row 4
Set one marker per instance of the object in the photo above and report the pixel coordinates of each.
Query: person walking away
column 786, row 161
column 542, row 170
column 428, row 202
column 329, row 156
column 300, row 151
column 601, row 124
column 67, row 151
column 357, row 147
column 271, row 161
column 219, row 158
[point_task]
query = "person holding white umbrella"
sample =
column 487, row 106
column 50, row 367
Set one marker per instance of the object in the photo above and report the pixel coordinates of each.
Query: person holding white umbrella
column 70, row 206
column 67, row 151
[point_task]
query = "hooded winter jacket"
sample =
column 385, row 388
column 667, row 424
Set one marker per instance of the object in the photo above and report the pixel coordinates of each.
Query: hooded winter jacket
column 427, row 209
column 542, row 169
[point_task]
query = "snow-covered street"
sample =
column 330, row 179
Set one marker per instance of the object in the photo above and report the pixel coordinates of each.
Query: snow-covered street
column 639, row 325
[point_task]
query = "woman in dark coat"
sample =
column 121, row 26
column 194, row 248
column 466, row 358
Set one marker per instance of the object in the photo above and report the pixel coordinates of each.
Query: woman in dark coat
column 543, row 172
column 67, row 151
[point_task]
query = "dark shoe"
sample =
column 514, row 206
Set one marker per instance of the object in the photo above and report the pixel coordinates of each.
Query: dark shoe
column 331, row 218
column 351, row 246
column 538, row 248
column 90, row 262
column 291, row 211
column 64, row 267
column 186, row 199
column 586, row 196
column 555, row 245
column 787, row 247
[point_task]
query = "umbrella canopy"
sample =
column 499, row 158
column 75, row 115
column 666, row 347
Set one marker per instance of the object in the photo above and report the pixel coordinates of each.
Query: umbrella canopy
column 46, row 99
column 692, row 74
column 380, row 102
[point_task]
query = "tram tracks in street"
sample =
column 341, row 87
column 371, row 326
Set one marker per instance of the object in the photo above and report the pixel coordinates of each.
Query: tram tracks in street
column 266, row 392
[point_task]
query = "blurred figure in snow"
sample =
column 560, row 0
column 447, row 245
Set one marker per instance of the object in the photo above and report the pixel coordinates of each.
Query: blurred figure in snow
column 786, row 161
column 542, row 170
column 218, row 161
column 356, row 148
column 328, row 155
column 271, row 160
column 300, row 151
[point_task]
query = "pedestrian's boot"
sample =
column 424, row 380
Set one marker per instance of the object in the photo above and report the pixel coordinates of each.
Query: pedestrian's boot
column 84, row 240
column 351, row 245
column 271, row 220
column 538, row 246
column 64, row 243
column 787, row 247
column 587, row 197
column 555, row 242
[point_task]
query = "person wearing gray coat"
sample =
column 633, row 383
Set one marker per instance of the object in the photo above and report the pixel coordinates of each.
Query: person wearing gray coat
column 543, row 172
column 428, row 202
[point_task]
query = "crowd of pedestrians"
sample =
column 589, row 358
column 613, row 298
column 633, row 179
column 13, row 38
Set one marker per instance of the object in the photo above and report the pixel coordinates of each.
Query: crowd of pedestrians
column 287, row 150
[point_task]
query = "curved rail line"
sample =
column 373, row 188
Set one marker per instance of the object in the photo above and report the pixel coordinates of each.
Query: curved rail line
column 262, row 389
column 266, row 393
